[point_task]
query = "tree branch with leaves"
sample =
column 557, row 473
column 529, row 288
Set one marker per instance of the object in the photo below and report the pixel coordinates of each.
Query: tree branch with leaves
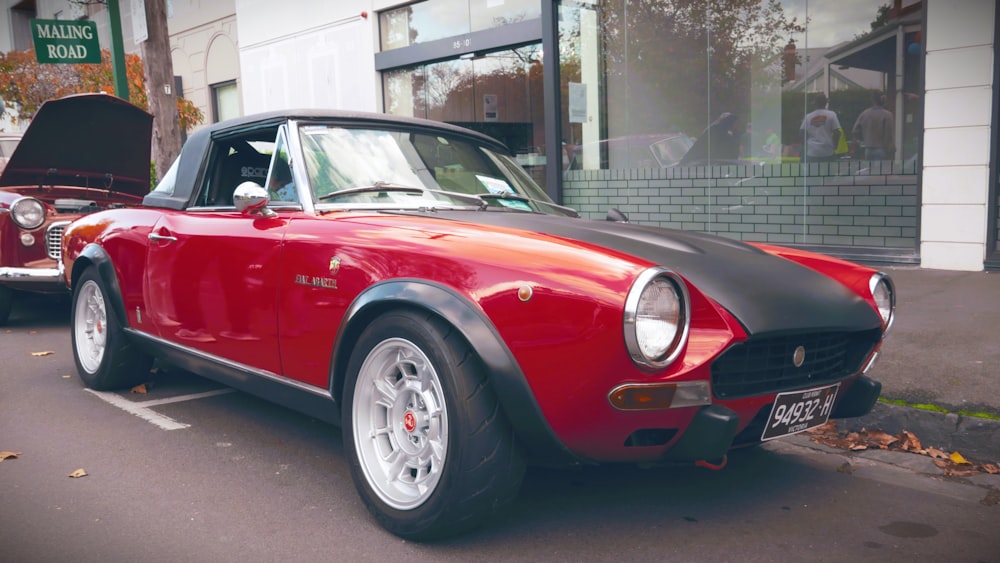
column 25, row 84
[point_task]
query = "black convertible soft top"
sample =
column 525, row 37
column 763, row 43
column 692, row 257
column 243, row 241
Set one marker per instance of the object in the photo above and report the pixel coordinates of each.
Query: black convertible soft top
column 193, row 160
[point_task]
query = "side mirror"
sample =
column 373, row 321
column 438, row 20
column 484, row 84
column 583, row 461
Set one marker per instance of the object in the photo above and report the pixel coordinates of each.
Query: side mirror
column 251, row 198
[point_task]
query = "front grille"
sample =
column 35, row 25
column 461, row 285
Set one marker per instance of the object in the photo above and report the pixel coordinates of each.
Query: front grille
column 765, row 364
column 53, row 239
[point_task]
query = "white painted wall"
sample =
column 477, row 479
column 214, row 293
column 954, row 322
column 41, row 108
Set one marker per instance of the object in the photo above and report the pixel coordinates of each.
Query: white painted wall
column 307, row 54
column 204, row 48
column 957, row 122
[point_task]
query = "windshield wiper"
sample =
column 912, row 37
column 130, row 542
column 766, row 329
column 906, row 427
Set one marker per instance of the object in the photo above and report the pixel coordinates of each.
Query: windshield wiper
column 504, row 195
column 525, row 199
column 377, row 187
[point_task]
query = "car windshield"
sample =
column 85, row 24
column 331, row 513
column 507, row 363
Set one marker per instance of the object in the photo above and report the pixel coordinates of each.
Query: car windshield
column 357, row 167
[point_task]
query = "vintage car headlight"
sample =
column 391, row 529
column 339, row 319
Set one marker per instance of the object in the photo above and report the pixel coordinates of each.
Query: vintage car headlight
column 885, row 298
column 28, row 213
column 656, row 318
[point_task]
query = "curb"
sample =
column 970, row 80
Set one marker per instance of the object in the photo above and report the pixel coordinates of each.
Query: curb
column 977, row 439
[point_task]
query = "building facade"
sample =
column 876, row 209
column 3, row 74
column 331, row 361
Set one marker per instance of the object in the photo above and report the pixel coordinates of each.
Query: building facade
column 690, row 115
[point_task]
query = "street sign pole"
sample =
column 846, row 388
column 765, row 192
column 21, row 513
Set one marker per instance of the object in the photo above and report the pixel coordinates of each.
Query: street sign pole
column 117, row 50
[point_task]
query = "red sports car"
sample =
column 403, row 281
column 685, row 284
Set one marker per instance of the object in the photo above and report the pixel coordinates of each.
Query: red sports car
column 407, row 281
column 79, row 155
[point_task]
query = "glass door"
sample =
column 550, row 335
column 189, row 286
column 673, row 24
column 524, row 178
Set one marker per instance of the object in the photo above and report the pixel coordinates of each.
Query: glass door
column 497, row 93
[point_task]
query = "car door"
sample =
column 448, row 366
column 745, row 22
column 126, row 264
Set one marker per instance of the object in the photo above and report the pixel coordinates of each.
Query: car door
column 212, row 275
column 214, row 278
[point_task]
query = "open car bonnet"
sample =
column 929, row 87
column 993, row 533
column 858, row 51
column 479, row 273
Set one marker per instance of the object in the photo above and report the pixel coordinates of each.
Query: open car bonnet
column 88, row 140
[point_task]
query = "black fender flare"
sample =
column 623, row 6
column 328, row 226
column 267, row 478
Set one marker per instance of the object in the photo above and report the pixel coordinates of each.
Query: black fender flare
column 94, row 255
column 516, row 398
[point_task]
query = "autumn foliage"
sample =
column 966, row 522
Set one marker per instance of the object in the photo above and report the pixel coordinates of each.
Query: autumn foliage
column 25, row 84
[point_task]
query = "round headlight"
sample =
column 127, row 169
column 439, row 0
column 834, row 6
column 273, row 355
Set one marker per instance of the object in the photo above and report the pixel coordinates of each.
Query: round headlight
column 28, row 213
column 656, row 318
column 885, row 298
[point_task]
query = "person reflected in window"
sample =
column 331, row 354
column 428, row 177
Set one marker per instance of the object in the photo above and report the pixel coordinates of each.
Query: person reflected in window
column 874, row 129
column 281, row 185
column 821, row 131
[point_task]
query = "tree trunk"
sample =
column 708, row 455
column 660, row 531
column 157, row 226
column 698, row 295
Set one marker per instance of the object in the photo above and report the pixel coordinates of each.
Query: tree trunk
column 159, row 70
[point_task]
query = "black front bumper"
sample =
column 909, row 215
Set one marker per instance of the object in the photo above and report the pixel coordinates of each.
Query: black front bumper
column 713, row 431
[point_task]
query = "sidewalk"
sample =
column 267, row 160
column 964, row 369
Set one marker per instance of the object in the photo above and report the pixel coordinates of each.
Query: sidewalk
column 943, row 351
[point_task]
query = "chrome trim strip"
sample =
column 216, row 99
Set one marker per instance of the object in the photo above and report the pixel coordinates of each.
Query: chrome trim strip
column 29, row 275
column 631, row 306
column 270, row 376
column 53, row 248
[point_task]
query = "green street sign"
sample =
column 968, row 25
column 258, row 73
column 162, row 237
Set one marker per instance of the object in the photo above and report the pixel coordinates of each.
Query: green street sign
column 65, row 41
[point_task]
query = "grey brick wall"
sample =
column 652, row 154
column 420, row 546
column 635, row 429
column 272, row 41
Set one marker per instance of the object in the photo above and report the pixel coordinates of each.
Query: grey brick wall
column 842, row 204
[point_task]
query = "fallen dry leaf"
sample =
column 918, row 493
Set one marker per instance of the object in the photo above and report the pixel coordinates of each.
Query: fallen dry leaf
column 42, row 353
column 957, row 458
column 882, row 439
column 954, row 469
column 78, row 473
column 936, row 453
column 9, row 455
column 953, row 464
column 909, row 442
column 141, row 389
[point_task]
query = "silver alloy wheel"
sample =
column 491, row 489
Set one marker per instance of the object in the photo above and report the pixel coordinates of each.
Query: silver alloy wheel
column 400, row 423
column 90, row 326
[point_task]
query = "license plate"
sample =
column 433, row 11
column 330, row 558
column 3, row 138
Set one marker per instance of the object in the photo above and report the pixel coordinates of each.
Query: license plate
column 796, row 411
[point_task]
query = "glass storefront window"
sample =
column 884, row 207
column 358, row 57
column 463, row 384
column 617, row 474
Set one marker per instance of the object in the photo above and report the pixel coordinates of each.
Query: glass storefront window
column 423, row 22
column 747, row 118
column 488, row 14
column 497, row 93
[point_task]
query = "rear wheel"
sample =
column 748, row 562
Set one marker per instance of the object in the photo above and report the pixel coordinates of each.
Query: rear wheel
column 430, row 452
column 105, row 359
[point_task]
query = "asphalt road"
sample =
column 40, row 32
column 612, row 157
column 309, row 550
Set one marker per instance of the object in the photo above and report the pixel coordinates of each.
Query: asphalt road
column 193, row 472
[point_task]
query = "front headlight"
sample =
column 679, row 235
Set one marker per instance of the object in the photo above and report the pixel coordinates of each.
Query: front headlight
column 885, row 298
column 28, row 213
column 656, row 318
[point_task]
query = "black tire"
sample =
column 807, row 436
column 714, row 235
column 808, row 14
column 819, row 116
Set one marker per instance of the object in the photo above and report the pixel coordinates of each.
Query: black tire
column 6, row 303
column 105, row 358
column 433, row 456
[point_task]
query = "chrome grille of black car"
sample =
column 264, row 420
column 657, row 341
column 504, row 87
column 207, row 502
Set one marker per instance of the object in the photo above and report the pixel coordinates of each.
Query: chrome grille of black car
column 53, row 239
column 765, row 364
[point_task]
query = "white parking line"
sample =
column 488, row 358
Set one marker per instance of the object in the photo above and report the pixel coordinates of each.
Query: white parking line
column 142, row 410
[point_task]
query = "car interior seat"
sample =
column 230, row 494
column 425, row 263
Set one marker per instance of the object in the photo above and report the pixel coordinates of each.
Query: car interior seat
column 239, row 167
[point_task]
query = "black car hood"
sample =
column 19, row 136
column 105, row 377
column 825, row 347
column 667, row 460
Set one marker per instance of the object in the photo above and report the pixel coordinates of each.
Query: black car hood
column 764, row 292
column 90, row 140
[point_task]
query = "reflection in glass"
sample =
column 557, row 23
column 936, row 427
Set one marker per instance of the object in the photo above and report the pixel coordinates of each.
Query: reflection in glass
column 422, row 22
column 730, row 82
column 411, row 169
column 499, row 94
column 436, row 19
column 488, row 14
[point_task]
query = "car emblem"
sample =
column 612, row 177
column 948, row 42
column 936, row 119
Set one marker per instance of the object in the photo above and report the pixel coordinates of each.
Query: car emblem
column 409, row 421
column 334, row 265
column 799, row 356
